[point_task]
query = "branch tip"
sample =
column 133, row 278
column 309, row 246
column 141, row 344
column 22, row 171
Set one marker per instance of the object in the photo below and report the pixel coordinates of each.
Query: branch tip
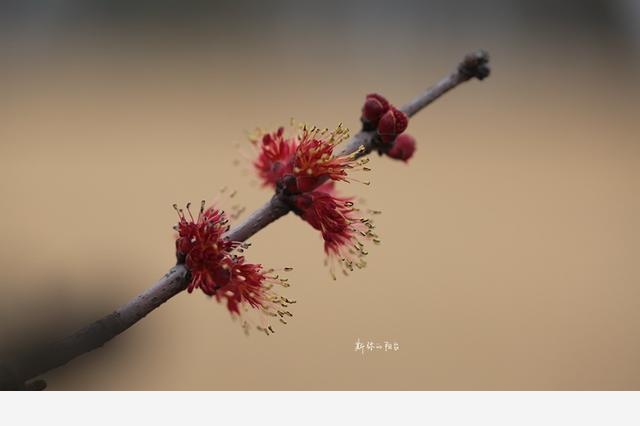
column 476, row 65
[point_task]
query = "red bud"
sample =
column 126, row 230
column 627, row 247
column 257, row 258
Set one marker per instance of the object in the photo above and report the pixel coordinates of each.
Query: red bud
column 392, row 123
column 403, row 148
column 374, row 107
column 402, row 121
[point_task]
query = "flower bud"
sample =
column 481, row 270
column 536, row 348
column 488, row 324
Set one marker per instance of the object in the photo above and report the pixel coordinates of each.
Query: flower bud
column 374, row 107
column 392, row 123
column 403, row 148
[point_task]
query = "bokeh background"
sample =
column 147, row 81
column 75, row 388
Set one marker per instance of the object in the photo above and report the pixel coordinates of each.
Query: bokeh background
column 510, row 255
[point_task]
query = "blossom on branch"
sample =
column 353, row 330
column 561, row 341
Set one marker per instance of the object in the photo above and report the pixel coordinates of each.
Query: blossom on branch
column 217, row 268
column 304, row 169
column 342, row 228
column 305, row 160
column 315, row 160
column 275, row 157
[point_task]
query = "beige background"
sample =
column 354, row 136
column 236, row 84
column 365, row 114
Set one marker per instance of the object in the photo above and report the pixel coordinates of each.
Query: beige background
column 510, row 242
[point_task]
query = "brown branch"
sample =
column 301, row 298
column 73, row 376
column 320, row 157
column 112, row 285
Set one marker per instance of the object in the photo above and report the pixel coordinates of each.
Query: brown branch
column 473, row 65
column 15, row 374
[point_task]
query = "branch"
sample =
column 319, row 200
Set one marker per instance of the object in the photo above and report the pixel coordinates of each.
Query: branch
column 15, row 374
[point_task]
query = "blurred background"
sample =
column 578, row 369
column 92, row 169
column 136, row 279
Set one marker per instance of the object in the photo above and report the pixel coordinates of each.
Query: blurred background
column 510, row 254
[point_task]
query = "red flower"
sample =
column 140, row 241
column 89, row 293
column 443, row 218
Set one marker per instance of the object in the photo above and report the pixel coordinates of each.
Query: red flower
column 340, row 225
column 305, row 160
column 274, row 159
column 201, row 247
column 218, row 271
column 250, row 290
column 314, row 160
column 308, row 178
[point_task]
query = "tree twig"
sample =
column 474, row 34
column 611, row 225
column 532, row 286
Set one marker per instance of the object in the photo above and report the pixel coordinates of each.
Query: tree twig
column 16, row 373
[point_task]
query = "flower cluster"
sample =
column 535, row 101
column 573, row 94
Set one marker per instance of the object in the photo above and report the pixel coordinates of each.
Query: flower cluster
column 390, row 123
column 305, row 167
column 340, row 225
column 274, row 159
column 306, row 160
column 217, row 267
